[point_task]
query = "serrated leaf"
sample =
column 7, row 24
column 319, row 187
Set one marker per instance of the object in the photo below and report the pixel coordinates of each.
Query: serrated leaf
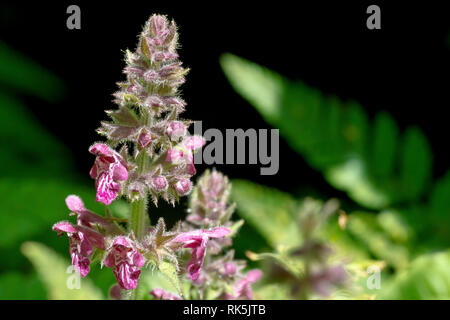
column 333, row 136
column 415, row 169
column 385, row 135
column 268, row 210
column 52, row 270
column 124, row 116
column 170, row 271
column 117, row 132
column 355, row 129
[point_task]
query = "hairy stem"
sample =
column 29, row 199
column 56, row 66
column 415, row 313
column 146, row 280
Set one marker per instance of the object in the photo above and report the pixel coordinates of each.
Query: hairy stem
column 138, row 213
column 138, row 218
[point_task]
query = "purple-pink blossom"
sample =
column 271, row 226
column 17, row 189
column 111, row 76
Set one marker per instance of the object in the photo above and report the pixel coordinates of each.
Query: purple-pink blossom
column 81, row 243
column 161, row 294
column 144, row 139
column 242, row 289
column 108, row 169
column 197, row 241
column 183, row 153
column 159, row 183
column 126, row 261
column 183, row 186
column 229, row 269
column 85, row 217
column 175, row 130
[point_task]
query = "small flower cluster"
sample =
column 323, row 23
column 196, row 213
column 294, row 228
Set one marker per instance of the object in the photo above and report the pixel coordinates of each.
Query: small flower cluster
column 215, row 274
column 308, row 269
column 155, row 160
column 161, row 163
column 320, row 276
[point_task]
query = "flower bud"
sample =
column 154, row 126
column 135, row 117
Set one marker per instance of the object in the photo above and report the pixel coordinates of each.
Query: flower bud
column 157, row 25
column 150, row 75
column 230, row 268
column 144, row 139
column 153, row 101
column 175, row 130
column 159, row 183
column 183, row 186
column 174, row 156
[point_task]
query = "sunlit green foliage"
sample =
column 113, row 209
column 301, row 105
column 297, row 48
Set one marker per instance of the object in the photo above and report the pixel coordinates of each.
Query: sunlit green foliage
column 378, row 166
column 53, row 271
column 372, row 162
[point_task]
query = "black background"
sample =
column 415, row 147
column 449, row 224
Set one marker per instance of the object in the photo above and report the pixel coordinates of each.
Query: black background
column 402, row 68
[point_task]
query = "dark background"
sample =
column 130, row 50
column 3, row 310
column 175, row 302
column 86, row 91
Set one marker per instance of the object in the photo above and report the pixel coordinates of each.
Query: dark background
column 402, row 68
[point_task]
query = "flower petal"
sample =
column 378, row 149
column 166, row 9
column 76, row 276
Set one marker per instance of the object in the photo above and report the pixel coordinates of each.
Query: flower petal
column 101, row 149
column 194, row 142
column 107, row 188
column 127, row 276
column 64, row 226
column 119, row 172
column 164, row 295
column 75, row 204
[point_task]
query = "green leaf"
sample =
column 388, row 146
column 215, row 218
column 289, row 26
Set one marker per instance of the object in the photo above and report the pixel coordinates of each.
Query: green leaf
column 269, row 211
column 427, row 277
column 255, row 78
column 152, row 279
column 170, row 271
column 385, row 135
column 31, row 206
column 273, row 291
column 23, row 74
column 18, row 286
column 292, row 265
column 336, row 138
column 366, row 229
column 433, row 217
column 52, row 270
column 416, row 163
column 27, row 148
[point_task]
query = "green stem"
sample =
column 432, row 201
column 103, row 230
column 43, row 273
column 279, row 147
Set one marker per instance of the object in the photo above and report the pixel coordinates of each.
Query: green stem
column 138, row 218
column 138, row 214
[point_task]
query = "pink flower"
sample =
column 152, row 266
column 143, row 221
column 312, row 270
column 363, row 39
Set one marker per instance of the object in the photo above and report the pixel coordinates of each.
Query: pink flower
column 174, row 156
column 144, row 139
column 175, row 130
column 197, row 241
column 183, row 186
column 242, row 289
column 107, row 170
column 161, row 294
column 125, row 261
column 229, row 268
column 85, row 217
column 81, row 240
column 159, row 183
column 183, row 152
